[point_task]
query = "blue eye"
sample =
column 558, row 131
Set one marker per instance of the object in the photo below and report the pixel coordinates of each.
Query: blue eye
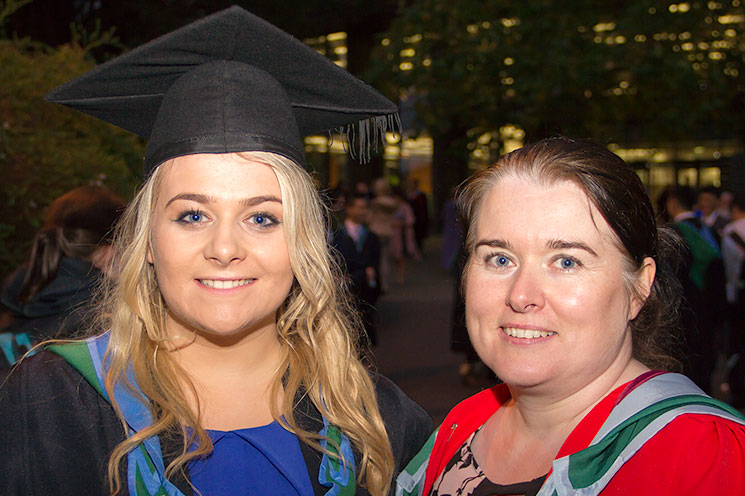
column 568, row 263
column 498, row 261
column 263, row 220
column 191, row 217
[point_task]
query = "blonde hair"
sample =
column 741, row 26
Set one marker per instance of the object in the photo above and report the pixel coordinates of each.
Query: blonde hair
column 315, row 327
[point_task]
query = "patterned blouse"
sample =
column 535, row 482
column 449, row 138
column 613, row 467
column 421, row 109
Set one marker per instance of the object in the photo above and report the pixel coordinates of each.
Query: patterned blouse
column 463, row 477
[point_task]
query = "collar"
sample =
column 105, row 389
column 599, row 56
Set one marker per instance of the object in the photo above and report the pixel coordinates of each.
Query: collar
column 688, row 214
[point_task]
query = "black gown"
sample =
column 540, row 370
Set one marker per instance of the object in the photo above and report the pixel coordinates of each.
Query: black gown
column 57, row 432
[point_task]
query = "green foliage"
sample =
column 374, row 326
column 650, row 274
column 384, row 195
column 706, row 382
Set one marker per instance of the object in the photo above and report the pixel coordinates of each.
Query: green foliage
column 46, row 149
column 633, row 71
column 8, row 7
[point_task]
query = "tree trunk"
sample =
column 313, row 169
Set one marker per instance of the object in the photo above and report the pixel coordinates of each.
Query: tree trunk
column 449, row 167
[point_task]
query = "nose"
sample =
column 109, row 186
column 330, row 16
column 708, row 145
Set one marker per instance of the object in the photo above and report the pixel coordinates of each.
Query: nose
column 226, row 244
column 525, row 293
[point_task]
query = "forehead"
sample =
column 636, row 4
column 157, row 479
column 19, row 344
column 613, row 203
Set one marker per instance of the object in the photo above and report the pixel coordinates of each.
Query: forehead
column 522, row 207
column 223, row 175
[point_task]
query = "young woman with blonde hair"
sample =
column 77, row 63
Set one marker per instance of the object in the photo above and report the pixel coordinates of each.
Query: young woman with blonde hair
column 226, row 364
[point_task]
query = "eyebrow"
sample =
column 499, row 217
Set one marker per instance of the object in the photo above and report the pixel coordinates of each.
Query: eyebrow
column 560, row 244
column 205, row 199
column 555, row 244
column 493, row 243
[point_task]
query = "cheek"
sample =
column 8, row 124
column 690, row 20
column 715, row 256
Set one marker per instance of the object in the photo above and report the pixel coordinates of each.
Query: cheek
column 482, row 297
column 275, row 256
column 600, row 309
column 172, row 258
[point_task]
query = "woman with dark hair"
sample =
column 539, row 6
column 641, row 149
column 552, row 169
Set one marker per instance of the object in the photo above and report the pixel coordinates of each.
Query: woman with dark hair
column 571, row 301
column 49, row 295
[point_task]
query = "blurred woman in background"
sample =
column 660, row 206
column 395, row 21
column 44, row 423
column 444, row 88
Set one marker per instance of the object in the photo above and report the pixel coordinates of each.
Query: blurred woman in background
column 50, row 294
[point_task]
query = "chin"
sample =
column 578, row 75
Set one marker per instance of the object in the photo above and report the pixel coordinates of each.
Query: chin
column 228, row 328
column 520, row 376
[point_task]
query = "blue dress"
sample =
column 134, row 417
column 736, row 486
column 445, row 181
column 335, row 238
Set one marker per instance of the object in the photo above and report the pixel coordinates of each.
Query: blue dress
column 255, row 461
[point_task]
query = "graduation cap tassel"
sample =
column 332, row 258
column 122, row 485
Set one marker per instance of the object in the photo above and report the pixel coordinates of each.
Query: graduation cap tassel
column 378, row 126
column 364, row 141
column 350, row 140
column 378, row 132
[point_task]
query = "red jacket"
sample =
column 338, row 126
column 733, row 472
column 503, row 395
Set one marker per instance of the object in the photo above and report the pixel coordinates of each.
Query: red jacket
column 695, row 454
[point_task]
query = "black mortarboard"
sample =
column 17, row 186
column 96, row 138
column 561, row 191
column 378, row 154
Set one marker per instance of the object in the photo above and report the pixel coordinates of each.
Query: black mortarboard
column 227, row 83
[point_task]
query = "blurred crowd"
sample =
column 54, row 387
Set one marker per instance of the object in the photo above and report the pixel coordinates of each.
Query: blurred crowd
column 375, row 229
column 711, row 224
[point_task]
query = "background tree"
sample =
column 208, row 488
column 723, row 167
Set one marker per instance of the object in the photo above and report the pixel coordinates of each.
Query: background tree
column 45, row 149
column 634, row 72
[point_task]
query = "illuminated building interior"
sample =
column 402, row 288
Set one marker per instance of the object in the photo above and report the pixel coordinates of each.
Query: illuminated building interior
column 692, row 163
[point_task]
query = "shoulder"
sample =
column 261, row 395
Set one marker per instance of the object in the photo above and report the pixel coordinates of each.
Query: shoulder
column 407, row 424
column 45, row 387
column 465, row 417
column 40, row 375
column 53, row 421
column 693, row 454
column 392, row 399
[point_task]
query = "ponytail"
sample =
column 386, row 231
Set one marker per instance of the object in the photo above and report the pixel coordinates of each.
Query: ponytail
column 76, row 225
column 46, row 253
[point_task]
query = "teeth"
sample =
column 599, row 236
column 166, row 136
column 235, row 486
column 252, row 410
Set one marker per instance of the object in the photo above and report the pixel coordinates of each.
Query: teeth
column 219, row 284
column 526, row 333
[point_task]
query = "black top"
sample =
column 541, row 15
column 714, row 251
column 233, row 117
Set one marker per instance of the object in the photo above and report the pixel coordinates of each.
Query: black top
column 57, row 432
column 58, row 309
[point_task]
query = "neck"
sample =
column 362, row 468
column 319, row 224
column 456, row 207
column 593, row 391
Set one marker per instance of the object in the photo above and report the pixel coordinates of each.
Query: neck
column 232, row 376
column 253, row 354
column 560, row 411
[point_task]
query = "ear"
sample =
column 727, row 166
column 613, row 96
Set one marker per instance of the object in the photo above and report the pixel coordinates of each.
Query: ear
column 150, row 257
column 643, row 284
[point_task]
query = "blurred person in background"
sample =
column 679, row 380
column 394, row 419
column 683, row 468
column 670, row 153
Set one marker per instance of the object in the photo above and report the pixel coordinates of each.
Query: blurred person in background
column 359, row 248
column 50, row 295
column 383, row 224
column 571, row 299
column 403, row 242
column 472, row 370
column 418, row 201
column 733, row 253
column 708, row 204
column 702, row 277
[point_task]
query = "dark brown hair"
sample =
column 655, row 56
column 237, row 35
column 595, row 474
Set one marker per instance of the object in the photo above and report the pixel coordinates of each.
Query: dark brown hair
column 76, row 224
column 618, row 193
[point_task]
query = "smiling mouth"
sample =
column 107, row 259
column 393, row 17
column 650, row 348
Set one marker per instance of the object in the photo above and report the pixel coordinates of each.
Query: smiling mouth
column 526, row 333
column 220, row 284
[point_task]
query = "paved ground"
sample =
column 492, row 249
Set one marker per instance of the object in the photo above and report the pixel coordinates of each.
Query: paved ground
column 414, row 337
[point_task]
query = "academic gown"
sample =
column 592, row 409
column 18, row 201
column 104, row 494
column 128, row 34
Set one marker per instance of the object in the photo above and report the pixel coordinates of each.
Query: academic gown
column 57, row 432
